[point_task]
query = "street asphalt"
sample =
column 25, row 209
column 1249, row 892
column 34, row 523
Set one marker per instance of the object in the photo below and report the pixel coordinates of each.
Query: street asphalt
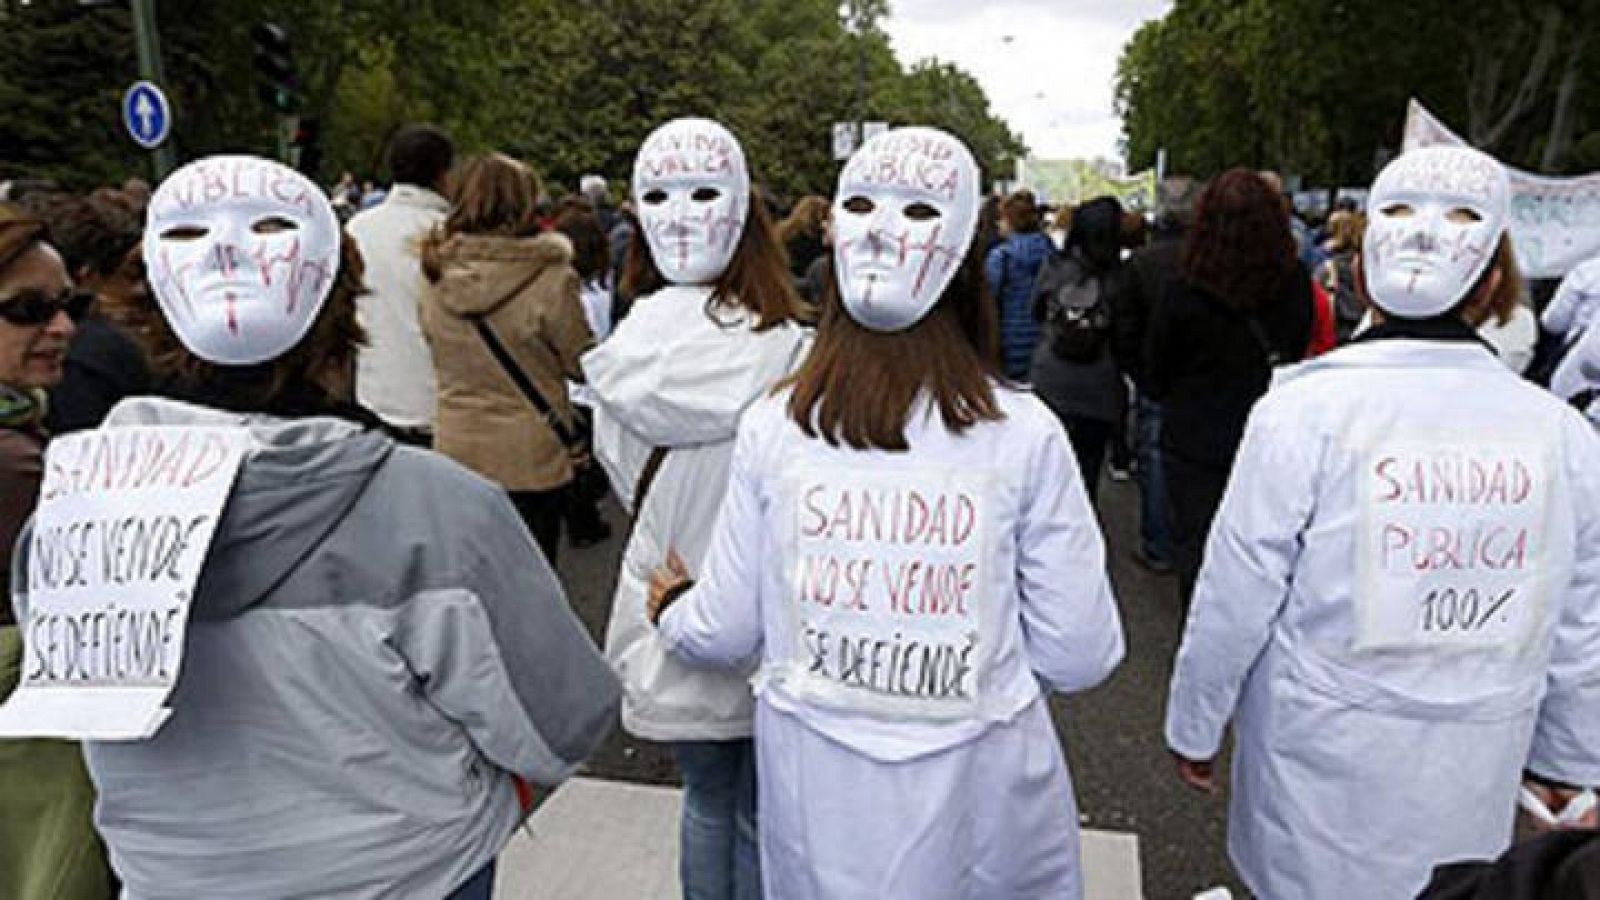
column 1124, row 777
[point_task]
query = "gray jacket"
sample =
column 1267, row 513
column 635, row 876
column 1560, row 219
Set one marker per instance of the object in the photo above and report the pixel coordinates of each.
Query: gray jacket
column 376, row 647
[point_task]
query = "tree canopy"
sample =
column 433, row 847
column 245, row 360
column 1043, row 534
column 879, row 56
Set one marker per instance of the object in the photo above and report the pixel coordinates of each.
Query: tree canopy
column 1319, row 88
column 570, row 86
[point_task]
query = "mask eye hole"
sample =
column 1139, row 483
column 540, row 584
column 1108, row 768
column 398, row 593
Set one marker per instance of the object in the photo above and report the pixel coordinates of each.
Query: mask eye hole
column 655, row 197
column 185, row 233
column 705, row 194
column 1399, row 211
column 860, row 205
column 273, row 225
column 1463, row 216
column 922, row 212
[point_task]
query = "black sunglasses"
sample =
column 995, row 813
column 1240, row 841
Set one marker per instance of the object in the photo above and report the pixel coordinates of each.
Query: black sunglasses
column 37, row 308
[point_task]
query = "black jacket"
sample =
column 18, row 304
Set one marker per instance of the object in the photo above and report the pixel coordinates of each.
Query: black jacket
column 1207, row 366
column 1135, row 295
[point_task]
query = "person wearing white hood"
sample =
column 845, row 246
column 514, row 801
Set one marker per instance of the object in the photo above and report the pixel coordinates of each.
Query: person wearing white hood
column 714, row 326
column 1400, row 601
column 377, row 662
column 908, row 547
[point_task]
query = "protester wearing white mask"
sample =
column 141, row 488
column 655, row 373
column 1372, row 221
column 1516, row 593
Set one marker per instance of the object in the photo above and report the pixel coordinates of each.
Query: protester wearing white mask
column 378, row 663
column 1400, row 603
column 908, row 548
column 714, row 326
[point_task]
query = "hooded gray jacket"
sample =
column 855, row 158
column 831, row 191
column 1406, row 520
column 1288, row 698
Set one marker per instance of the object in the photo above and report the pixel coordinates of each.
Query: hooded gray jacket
column 375, row 648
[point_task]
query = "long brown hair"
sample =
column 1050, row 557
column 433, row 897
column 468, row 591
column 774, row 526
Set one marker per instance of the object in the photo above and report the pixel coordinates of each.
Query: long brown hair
column 1240, row 249
column 860, row 387
column 495, row 195
column 757, row 278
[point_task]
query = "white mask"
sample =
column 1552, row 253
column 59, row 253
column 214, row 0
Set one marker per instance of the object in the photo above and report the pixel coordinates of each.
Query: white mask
column 903, row 220
column 692, row 192
column 1437, row 215
column 241, row 252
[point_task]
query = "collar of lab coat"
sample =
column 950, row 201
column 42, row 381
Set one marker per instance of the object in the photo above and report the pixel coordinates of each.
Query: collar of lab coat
column 1396, row 353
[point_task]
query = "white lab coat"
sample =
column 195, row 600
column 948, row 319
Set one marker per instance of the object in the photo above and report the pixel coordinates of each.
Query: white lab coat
column 671, row 376
column 871, row 787
column 1374, row 741
column 394, row 371
column 1579, row 370
column 596, row 298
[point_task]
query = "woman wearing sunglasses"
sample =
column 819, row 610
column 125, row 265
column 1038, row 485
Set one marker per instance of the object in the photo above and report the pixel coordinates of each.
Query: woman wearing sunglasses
column 48, row 847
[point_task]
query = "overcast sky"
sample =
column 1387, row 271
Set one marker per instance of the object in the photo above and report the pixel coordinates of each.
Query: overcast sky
column 1047, row 65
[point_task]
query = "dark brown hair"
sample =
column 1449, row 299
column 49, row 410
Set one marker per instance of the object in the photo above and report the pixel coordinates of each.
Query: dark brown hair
column 860, row 387
column 1021, row 212
column 1240, row 250
column 322, row 362
column 20, row 231
column 495, row 195
column 591, row 252
column 808, row 217
column 757, row 278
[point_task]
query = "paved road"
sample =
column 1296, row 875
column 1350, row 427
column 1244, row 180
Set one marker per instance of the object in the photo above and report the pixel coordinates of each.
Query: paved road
column 1124, row 777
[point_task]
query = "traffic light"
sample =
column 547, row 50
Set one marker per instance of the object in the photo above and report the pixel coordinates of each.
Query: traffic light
column 306, row 146
column 275, row 76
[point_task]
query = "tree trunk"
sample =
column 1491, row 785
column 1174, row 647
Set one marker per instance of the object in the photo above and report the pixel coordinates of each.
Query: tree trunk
column 1492, row 114
column 1560, row 140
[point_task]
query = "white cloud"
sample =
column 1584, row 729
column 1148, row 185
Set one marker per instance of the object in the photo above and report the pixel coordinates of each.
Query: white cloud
column 1048, row 66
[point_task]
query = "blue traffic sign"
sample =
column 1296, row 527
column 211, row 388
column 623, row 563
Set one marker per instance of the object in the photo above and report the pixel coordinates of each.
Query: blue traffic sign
column 146, row 114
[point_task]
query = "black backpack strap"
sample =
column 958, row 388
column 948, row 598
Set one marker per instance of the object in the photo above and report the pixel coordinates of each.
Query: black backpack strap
column 497, row 348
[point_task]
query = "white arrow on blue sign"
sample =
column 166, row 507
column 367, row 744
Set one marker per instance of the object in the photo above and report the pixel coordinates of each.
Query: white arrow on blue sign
column 146, row 114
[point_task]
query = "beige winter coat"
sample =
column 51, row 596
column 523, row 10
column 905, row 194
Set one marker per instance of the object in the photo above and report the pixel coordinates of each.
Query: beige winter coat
column 528, row 292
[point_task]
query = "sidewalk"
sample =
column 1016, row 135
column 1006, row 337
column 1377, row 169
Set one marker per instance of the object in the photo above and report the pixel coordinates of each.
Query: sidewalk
column 609, row 840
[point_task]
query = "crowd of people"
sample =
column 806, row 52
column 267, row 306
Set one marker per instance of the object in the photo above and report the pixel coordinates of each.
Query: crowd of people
column 859, row 447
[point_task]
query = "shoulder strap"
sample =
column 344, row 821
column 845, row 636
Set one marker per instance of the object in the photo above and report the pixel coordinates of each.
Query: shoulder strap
column 647, row 477
column 524, row 384
column 1265, row 342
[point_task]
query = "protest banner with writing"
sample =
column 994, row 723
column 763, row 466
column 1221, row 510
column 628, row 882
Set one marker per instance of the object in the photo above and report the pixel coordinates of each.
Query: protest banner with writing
column 887, row 590
column 126, row 516
column 1555, row 222
column 1453, row 544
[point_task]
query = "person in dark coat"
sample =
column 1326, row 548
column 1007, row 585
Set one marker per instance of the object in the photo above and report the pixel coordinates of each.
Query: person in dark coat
column 1087, row 393
column 1242, row 304
column 1011, row 269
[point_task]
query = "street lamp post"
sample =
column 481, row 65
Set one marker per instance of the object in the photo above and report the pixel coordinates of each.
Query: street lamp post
column 147, row 38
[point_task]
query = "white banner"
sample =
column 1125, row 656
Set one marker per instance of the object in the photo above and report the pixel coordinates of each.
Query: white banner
column 1555, row 222
column 125, row 518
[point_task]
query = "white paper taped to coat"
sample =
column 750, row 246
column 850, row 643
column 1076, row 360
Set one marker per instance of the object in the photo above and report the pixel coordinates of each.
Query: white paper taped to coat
column 886, row 587
column 1454, row 536
column 125, row 518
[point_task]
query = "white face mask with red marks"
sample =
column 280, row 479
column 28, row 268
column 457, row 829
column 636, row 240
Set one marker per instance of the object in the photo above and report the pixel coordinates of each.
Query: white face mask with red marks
column 241, row 253
column 903, row 220
column 1436, row 217
column 692, row 193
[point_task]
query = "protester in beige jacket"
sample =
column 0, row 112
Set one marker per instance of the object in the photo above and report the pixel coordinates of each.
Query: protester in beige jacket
column 486, row 264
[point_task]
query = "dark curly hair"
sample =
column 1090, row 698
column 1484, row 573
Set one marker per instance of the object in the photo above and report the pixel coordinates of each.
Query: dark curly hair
column 1240, row 249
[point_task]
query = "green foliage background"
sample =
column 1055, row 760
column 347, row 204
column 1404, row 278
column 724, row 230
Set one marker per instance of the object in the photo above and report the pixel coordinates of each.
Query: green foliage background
column 1319, row 87
column 570, row 86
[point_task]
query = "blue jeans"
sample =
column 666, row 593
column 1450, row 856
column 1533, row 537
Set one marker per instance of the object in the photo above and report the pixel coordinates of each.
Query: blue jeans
column 1155, row 523
column 478, row 887
column 718, row 857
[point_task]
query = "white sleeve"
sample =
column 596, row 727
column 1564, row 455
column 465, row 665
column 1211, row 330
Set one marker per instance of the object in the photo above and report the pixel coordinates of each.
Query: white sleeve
column 717, row 623
column 1244, row 582
column 1558, row 316
column 1566, row 742
column 1070, row 625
